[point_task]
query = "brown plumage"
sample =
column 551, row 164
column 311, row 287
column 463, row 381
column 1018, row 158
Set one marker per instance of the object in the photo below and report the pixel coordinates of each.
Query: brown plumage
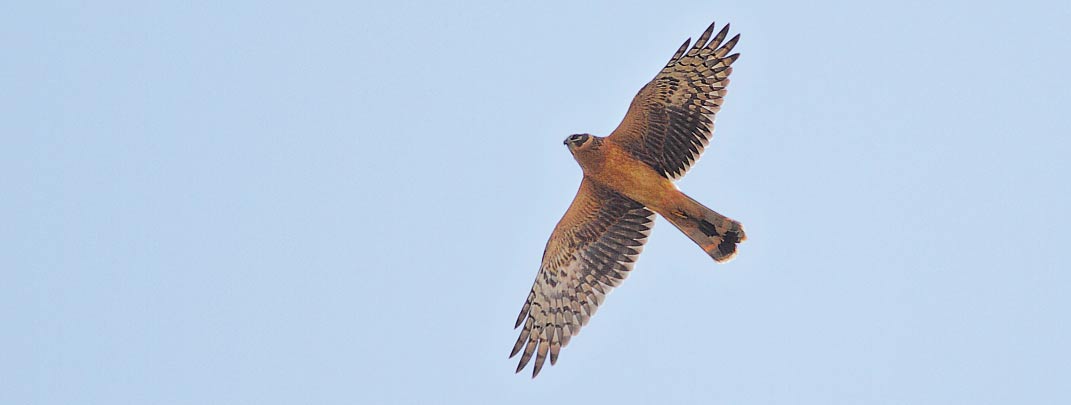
column 628, row 177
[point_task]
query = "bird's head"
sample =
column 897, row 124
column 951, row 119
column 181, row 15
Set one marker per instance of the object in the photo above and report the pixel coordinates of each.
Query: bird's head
column 578, row 142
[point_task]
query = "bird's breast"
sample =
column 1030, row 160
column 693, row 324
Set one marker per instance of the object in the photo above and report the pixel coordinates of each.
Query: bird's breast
column 623, row 173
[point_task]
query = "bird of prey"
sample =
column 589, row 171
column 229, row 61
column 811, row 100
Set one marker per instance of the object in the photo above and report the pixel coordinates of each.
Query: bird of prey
column 628, row 177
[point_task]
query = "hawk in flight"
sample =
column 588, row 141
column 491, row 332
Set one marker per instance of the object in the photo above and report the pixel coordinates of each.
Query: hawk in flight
column 628, row 177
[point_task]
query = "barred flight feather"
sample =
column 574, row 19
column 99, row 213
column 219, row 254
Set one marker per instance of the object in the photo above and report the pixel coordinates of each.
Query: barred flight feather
column 592, row 250
column 671, row 120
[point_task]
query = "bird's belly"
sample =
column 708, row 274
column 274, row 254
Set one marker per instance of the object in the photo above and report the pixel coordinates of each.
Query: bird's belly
column 635, row 180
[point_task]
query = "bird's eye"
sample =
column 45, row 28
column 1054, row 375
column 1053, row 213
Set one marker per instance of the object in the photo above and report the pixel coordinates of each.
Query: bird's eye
column 576, row 139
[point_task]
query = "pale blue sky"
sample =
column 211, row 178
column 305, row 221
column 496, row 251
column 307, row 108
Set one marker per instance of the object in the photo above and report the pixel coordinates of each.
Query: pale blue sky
column 241, row 203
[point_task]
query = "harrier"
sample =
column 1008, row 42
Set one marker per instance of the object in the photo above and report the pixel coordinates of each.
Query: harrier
column 628, row 177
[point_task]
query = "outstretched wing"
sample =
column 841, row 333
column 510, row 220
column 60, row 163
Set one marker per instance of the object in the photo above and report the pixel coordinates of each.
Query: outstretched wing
column 591, row 250
column 671, row 119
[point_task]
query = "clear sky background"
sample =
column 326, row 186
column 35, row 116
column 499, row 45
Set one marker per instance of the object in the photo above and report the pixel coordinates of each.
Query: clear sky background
column 346, row 203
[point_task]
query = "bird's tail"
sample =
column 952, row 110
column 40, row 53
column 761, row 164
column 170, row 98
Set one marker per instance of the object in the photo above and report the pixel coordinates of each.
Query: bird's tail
column 716, row 234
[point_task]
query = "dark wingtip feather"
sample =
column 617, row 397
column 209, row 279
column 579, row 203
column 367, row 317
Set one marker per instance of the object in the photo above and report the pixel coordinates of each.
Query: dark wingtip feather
column 680, row 51
column 538, row 366
column 699, row 43
column 728, row 60
column 525, row 309
column 520, row 343
column 520, row 318
column 541, row 358
column 731, row 43
column 555, row 347
column 716, row 42
column 527, row 356
column 516, row 349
